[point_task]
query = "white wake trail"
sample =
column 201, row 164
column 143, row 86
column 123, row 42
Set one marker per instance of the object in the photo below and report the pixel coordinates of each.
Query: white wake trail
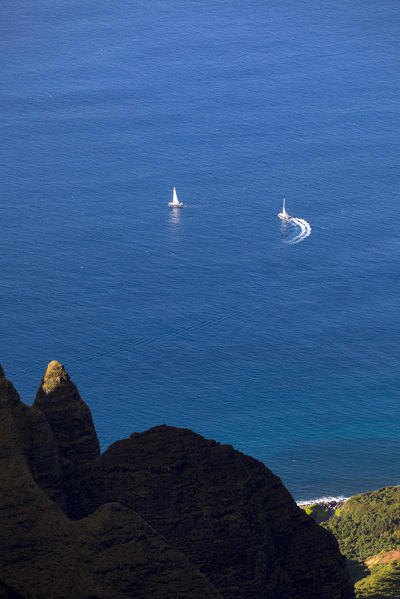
column 305, row 230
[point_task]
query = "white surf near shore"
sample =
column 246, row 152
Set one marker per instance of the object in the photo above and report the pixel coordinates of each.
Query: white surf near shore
column 323, row 500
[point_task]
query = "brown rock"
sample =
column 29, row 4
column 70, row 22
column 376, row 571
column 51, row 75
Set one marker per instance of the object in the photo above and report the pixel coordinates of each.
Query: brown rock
column 36, row 442
column 8, row 394
column 227, row 512
column 169, row 515
column 72, row 425
column 383, row 558
column 6, row 592
column 112, row 554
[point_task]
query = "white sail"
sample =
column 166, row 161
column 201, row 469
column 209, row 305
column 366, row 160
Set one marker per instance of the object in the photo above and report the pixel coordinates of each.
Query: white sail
column 284, row 215
column 175, row 202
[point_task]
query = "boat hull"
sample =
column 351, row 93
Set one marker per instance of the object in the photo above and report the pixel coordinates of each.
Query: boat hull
column 172, row 205
column 284, row 216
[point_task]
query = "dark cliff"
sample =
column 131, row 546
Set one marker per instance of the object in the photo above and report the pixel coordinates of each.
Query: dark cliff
column 226, row 511
column 163, row 514
column 72, row 425
column 111, row 554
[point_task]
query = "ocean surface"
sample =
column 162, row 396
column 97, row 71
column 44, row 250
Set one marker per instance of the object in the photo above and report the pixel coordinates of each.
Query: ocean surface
column 219, row 316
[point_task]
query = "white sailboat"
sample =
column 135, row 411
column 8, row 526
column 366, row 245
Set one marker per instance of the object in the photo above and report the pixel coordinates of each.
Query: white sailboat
column 175, row 202
column 284, row 215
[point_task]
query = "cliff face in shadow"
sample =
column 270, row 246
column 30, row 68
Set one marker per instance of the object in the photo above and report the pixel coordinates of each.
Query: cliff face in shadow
column 163, row 514
column 226, row 511
column 74, row 434
column 111, row 554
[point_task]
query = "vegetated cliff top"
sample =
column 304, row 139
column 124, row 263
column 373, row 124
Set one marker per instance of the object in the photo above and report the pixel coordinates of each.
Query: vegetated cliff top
column 367, row 528
column 163, row 514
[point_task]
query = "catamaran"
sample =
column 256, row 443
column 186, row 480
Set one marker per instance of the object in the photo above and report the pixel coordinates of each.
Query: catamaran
column 175, row 202
column 284, row 215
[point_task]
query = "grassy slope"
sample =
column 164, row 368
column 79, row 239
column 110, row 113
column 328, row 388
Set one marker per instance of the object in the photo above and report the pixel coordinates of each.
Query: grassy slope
column 366, row 525
column 382, row 583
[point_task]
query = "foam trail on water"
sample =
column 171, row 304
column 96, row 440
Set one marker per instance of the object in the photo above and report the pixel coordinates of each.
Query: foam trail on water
column 305, row 230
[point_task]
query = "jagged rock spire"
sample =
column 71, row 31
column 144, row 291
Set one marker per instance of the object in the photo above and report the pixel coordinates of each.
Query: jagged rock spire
column 55, row 375
column 113, row 553
column 72, row 425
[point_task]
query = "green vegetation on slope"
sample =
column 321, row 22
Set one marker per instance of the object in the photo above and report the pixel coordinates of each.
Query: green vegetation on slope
column 383, row 583
column 319, row 513
column 366, row 525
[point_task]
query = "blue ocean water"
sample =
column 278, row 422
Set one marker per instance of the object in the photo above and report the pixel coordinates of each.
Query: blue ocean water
column 208, row 317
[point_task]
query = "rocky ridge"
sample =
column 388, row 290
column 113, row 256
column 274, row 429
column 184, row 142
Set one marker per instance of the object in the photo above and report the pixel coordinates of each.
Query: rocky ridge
column 71, row 423
column 163, row 514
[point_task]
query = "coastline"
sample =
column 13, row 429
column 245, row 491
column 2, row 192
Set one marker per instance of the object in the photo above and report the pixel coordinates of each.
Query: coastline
column 322, row 505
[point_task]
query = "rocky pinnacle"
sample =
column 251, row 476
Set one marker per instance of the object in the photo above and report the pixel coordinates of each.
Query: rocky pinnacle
column 55, row 375
column 72, row 425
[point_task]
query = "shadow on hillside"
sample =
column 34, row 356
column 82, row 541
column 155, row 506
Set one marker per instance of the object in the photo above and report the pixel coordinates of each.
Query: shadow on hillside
column 357, row 570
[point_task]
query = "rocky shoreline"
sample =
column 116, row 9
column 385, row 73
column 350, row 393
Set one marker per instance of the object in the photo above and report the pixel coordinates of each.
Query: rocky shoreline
column 323, row 509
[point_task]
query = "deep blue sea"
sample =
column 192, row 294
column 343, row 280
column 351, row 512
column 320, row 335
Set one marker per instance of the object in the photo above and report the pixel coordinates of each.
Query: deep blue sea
column 209, row 317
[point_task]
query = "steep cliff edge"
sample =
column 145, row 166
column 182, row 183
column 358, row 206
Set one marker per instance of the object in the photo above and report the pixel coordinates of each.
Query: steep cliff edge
column 226, row 511
column 112, row 554
column 168, row 514
column 72, row 425
column 35, row 442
